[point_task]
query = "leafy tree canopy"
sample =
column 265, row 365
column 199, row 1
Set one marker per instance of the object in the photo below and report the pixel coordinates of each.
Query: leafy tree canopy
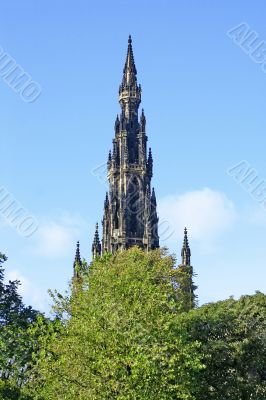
column 232, row 334
column 15, row 344
column 122, row 336
column 129, row 329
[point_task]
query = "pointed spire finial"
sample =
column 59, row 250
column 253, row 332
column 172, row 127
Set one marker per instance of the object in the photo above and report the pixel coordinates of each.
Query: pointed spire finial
column 153, row 198
column 185, row 253
column 150, row 162
column 96, row 244
column 109, row 161
column 129, row 88
column 117, row 124
column 106, row 202
column 142, row 121
column 130, row 71
column 77, row 261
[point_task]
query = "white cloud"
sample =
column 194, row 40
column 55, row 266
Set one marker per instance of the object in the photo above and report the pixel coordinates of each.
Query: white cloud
column 56, row 238
column 206, row 213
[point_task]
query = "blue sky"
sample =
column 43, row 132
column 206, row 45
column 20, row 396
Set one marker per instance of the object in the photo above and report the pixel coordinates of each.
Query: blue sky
column 204, row 99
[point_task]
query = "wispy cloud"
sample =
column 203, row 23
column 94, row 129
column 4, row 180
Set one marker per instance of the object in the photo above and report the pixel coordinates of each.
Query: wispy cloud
column 55, row 238
column 206, row 213
column 52, row 247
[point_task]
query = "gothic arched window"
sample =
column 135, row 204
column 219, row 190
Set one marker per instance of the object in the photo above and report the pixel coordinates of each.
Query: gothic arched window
column 135, row 224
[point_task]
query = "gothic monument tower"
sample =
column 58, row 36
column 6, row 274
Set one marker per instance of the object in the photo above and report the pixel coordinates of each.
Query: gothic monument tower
column 130, row 216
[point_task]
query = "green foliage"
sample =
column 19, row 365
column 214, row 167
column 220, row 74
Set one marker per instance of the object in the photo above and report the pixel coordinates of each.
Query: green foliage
column 123, row 337
column 129, row 330
column 233, row 338
column 15, row 344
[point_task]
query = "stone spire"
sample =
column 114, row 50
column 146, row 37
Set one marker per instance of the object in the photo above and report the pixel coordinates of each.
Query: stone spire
column 106, row 201
column 186, row 286
column 150, row 163
column 130, row 71
column 129, row 90
column 153, row 197
column 96, row 245
column 130, row 216
column 142, row 121
column 77, row 262
column 185, row 253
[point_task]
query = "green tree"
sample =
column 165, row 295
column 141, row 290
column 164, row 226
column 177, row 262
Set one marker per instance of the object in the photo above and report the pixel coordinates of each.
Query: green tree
column 129, row 330
column 123, row 336
column 233, row 344
column 15, row 344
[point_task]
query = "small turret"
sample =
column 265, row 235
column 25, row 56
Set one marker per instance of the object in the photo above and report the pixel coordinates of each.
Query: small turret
column 117, row 125
column 150, row 163
column 109, row 160
column 186, row 286
column 142, row 122
column 96, row 245
column 77, row 262
column 153, row 198
column 185, row 253
column 106, row 201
